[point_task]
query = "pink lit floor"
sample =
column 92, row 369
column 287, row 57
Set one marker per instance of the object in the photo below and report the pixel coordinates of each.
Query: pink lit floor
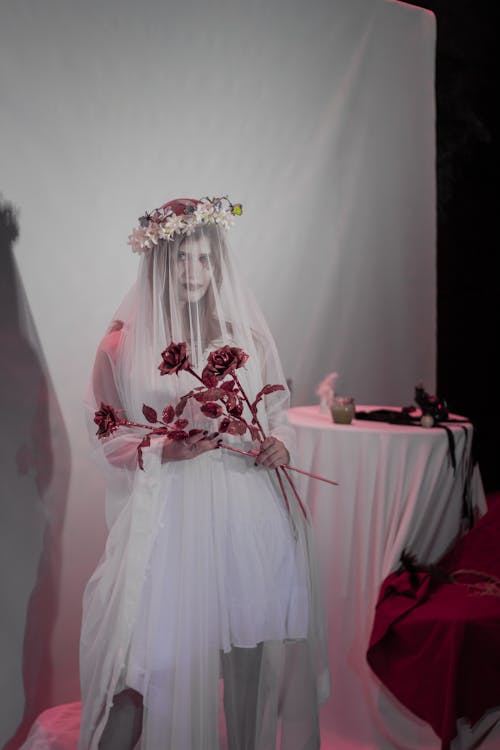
column 58, row 727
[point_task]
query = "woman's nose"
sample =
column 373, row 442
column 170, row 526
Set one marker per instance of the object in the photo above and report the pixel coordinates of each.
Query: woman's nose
column 193, row 270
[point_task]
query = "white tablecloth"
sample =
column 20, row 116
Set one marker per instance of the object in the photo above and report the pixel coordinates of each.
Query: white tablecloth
column 397, row 488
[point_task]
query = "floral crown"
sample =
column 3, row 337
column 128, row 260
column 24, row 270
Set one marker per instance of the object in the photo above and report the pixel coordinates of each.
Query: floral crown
column 181, row 216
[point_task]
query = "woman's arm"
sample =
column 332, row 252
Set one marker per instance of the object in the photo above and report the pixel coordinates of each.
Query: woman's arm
column 120, row 448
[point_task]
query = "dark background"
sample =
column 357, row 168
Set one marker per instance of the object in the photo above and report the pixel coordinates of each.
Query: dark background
column 468, row 374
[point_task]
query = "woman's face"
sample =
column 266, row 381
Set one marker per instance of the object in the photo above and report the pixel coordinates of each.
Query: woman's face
column 192, row 269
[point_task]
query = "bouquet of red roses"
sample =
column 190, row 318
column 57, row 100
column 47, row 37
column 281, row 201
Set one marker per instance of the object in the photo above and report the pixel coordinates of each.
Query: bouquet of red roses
column 220, row 396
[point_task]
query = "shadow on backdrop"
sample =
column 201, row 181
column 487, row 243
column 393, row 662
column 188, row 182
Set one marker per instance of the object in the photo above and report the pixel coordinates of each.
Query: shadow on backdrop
column 35, row 453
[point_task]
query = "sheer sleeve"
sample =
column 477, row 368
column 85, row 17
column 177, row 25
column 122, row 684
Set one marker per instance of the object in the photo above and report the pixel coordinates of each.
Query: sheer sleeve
column 120, row 448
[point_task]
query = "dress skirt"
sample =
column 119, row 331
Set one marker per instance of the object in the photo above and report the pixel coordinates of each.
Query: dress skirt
column 203, row 561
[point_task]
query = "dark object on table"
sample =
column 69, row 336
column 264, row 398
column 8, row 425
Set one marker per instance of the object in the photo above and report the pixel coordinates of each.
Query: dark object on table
column 391, row 416
column 431, row 405
column 435, row 642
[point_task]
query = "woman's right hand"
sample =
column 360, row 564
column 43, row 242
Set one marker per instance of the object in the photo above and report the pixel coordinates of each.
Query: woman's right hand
column 182, row 450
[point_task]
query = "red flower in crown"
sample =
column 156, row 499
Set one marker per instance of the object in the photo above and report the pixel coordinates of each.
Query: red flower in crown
column 174, row 359
column 220, row 363
column 106, row 420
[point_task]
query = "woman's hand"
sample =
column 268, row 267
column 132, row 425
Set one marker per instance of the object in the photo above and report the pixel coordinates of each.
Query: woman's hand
column 182, row 450
column 272, row 453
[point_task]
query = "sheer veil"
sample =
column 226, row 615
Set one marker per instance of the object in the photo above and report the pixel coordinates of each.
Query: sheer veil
column 161, row 308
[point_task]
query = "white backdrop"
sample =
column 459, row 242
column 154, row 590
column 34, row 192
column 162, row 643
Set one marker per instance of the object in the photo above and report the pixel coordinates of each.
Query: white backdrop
column 318, row 116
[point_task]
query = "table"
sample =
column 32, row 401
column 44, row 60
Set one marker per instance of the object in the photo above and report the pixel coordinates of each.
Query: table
column 397, row 488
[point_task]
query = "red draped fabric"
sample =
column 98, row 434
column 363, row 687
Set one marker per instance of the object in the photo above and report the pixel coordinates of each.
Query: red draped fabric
column 436, row 645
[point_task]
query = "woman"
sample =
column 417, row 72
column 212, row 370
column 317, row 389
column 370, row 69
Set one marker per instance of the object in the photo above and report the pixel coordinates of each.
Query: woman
column 208, row 583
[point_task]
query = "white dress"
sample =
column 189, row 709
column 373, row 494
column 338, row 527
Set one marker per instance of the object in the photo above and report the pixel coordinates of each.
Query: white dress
column 202, row 556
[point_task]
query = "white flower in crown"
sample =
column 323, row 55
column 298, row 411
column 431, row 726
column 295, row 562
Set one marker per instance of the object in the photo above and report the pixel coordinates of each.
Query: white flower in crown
column 152, row 234
column 203, row 212
column 191, row 225
column 163, row 232
column 137, row 239
column 223, row 218
column 175, row 225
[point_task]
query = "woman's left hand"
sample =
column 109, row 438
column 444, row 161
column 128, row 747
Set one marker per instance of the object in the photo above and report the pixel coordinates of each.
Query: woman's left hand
column 272, row 453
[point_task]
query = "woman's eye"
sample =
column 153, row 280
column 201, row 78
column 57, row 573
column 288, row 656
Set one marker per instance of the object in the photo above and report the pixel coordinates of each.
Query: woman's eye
column 181, row 255
column 204, row 259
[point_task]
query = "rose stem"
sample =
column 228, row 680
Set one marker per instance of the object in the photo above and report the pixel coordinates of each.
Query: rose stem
column 195, row 374
column 282, row 487
column 254, row 415
column 295, row 492
column 126, row 423
column 308, row 474
column 282, row 466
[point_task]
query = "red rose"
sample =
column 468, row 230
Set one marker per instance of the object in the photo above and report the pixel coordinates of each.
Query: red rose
column 106, row 420
column 174, row 359
column 225, row 360
column 211, row 409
